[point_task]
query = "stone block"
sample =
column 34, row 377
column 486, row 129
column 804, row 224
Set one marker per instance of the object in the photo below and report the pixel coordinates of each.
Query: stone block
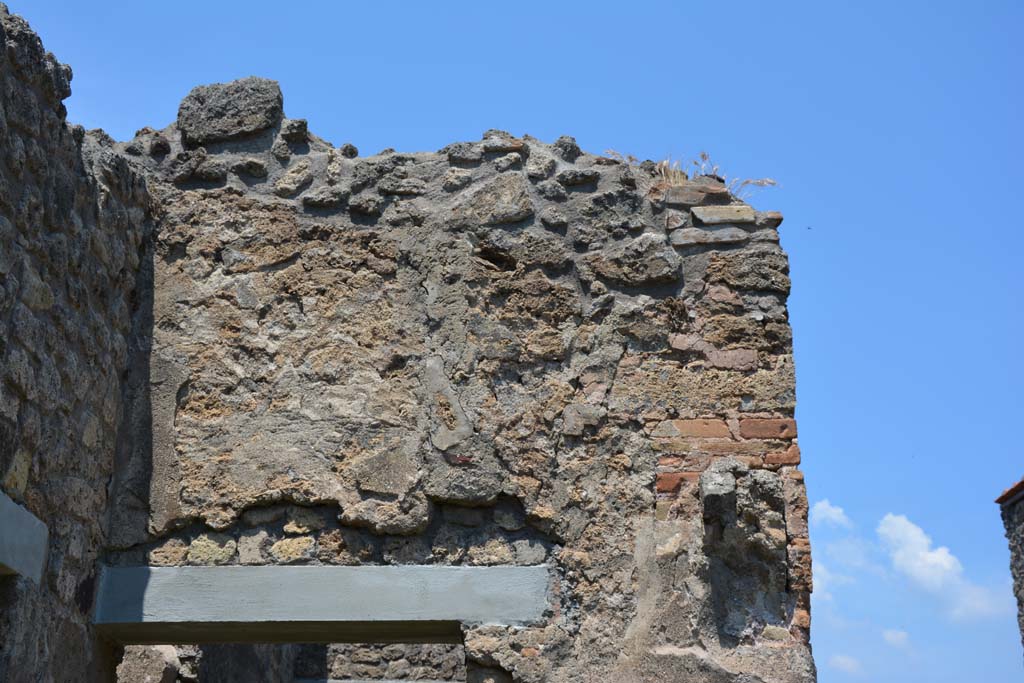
column 505, row 199
column 769, row 219
column 692, row 237
column 211, row 548
column 732, row 213
column 293, row 550
column 225, row 111
column 149, row 664
column 644, row 260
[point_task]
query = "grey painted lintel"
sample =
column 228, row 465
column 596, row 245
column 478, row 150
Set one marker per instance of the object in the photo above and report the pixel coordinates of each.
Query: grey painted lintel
column 23, row 541
column 302, row 604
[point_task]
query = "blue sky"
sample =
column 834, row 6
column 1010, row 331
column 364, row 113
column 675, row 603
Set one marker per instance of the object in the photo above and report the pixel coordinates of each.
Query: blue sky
column 894, row 130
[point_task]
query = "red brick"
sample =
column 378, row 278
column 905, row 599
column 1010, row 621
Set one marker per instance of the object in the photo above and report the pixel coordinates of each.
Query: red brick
column 702, row 427
column 790, row 457
column 695, row 447
column 738, row 448
column 767, row 428
column 669, row 482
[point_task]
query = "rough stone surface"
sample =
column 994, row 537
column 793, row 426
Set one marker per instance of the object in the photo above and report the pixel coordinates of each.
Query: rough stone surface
column 223, row 111
column 370, row 662
column 453, row 358
column 153, row 664
column 74, row 224
column 715, row 215
column 208, row 664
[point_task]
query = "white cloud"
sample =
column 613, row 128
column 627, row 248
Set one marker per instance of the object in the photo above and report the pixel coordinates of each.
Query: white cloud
column 854, row 553
column 936, row 570
column 896, row 637
column 910, row 549
column 971, row 601
column 845, row 663
column 825, row 580
column 825, row 513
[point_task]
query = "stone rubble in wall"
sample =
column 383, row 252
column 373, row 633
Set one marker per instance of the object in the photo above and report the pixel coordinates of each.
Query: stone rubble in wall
column 552, row 329
column 439, row 662
column 290, row 534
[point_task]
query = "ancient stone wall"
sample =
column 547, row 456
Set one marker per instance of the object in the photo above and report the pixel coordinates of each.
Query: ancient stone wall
column 1012, row 509
column 506, row 352
column 72, row 226
column 211, row 663
column 368, row 662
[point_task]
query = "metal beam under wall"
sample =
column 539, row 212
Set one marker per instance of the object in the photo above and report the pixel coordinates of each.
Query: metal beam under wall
column 282, row 604
column 23, row 541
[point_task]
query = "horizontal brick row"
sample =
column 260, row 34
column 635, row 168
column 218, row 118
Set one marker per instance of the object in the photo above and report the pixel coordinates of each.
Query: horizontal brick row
column 717, row 428
column 767, row 428
column 688, row 446
column 697, row 455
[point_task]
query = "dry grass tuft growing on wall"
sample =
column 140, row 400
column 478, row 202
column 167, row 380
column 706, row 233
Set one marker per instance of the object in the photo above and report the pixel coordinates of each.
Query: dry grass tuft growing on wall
column 671, row 172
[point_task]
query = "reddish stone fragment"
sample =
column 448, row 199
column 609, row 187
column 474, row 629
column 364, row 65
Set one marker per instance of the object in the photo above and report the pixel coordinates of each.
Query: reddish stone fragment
column 768, row 428
column 790, row 457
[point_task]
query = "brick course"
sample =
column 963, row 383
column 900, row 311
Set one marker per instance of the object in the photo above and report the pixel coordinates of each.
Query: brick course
column 768, row 428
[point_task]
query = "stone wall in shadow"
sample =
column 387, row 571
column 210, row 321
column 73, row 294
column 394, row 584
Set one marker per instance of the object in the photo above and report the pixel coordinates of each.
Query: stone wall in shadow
column 74, row 222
